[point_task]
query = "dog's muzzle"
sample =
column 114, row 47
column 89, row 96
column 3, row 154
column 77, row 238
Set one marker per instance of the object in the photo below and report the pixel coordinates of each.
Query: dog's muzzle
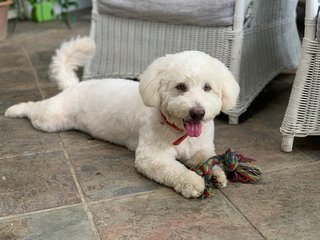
column 193, row 124
column 197, row 113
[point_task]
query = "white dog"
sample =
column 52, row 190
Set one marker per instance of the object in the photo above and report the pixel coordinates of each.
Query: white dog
column 169, row 125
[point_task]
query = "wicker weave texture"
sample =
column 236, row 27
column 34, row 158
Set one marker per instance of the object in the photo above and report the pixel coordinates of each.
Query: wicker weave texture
column 302, row 116
column 265, row 44
column 266, row 52
column 126, row 47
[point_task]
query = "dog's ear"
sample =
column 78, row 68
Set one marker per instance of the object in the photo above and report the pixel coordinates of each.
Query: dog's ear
column 230, row 91
column 149, row 85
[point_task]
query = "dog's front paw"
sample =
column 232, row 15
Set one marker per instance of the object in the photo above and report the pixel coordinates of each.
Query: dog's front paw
column 219, row 177
column 190, row 184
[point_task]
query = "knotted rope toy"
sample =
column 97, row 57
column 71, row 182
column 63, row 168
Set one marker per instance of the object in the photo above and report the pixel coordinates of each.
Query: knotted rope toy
column 237, row 168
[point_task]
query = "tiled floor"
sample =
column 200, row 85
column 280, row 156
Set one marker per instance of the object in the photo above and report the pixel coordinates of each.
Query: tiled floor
column 71, row 186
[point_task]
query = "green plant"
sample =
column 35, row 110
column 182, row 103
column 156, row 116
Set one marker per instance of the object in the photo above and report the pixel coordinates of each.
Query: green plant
column 45, row 9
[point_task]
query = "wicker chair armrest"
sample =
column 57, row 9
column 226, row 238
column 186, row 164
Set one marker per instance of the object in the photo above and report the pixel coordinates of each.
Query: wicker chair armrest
column 310, row 21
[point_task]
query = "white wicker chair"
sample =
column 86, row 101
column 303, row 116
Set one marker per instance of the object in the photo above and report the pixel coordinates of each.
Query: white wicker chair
column 262, row 42
column 302, row 117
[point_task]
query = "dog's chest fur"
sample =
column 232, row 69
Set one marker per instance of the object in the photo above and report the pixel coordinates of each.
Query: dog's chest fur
column 191, row 151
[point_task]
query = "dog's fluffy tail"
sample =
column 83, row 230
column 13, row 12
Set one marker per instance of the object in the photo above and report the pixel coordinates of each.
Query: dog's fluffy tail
column 68, row 58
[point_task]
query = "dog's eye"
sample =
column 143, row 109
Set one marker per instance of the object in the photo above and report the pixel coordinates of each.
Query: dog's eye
column 182, row 87
column 207, row 88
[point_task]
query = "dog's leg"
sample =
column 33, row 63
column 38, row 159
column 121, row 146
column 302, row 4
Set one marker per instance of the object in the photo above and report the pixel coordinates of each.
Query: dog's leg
column 217, row 172
column 201, row 156
column 220, row 176
column 165, row 169
column 47, row 115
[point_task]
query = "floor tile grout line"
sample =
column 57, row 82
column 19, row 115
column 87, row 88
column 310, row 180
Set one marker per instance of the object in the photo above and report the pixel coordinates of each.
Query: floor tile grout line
column 81, row 193
column 50, row 151
column 138, row 194
column 33, row 71
column 39, row 211
column 84, row 204
column 31, row 154
column 242, row 214
column 54, row 150
column 292, row 167
column 159, row 190
column 86, row 147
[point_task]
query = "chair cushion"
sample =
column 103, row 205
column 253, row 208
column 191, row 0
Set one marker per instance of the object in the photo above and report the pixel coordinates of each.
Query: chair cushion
column 190, row 12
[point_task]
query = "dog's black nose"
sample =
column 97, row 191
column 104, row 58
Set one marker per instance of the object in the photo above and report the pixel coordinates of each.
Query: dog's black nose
column 197, row 113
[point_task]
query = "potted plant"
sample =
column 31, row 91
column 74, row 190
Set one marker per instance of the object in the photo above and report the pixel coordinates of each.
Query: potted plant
column 4, row 6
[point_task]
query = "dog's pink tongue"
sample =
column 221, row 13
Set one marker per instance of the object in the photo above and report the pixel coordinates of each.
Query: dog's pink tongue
column 194, row 129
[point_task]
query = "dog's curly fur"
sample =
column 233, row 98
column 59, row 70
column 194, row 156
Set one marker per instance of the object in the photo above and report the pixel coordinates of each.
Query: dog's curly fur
column 189, row 88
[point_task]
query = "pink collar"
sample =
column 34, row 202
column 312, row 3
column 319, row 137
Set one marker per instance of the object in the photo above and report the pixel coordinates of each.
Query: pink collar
column 179, row 140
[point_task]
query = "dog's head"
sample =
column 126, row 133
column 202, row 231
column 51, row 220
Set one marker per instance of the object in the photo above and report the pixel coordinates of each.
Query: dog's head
column 190, row 88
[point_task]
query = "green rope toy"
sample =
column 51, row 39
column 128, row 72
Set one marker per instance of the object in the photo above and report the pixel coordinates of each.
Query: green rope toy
column 237, row 167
